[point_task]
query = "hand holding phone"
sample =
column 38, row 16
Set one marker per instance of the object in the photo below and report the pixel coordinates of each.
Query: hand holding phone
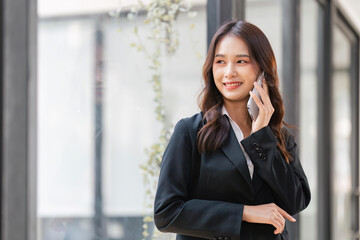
column 253, row 109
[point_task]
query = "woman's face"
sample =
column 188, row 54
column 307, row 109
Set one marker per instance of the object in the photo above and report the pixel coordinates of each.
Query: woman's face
column 233, row 70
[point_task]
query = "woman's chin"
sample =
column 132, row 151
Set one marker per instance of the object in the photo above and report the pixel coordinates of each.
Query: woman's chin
column 236, row 99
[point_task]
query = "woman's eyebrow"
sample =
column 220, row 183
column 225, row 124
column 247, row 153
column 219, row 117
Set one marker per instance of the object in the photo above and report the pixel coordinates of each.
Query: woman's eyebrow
column 239, row 55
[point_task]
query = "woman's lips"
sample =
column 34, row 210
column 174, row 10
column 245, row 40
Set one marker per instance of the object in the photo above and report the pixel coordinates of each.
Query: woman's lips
column 232, row 85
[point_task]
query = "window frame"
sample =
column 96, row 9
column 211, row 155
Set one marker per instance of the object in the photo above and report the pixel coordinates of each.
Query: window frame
column 18, row 56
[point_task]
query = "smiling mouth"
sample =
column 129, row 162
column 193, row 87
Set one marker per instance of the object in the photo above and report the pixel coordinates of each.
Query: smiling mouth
column 233, row 84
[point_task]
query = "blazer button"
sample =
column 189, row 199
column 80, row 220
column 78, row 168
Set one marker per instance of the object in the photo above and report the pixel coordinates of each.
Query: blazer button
column 258, row 150
column 262, row 156
column 220, row 238
column 215, row 238
column 255, row 145
column 227, row 238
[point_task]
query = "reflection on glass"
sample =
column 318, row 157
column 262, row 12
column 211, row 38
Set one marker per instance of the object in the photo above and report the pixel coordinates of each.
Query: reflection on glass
column 308, row 112
column 341, row 100
column 97, row 115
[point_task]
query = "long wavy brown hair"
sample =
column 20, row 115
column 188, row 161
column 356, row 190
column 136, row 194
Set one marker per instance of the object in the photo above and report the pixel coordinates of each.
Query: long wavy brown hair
column 215, row 131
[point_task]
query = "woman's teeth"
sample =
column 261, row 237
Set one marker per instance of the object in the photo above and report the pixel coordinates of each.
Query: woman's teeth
column 232, row 84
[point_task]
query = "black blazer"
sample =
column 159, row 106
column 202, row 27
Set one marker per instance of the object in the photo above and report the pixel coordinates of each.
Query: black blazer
column 202, row 196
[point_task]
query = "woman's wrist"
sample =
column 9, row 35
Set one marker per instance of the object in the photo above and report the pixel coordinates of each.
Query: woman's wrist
column 245, row 213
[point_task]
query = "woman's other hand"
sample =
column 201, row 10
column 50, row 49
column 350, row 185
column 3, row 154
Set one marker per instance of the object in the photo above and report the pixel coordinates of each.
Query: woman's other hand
column 268, row 214
column 266, row 109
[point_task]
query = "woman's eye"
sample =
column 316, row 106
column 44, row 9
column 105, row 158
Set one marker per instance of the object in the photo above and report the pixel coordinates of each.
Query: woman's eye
column 241, row 61
column 220, row 61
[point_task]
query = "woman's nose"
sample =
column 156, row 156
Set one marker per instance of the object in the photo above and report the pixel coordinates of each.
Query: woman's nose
column 230, row 72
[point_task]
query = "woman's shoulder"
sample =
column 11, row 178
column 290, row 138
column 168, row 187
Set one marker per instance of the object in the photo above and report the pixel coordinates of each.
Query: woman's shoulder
column 193, row 124
column 289, row 137
column 188, row 128
column 194, row 120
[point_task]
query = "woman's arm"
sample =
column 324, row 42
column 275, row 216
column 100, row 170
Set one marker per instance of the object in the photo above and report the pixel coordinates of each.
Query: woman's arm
column 287, row 180
column 174, row 211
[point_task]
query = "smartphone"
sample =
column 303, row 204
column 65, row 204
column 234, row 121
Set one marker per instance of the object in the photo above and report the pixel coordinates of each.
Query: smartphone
column 251, row 104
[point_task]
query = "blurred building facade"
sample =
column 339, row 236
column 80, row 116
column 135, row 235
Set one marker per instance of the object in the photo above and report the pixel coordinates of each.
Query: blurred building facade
column 90, row 88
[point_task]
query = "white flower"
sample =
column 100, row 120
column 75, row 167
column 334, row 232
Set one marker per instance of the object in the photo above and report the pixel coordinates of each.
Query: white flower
column 156, row 21
column 174, row 7
column 115, row 13
column 131, row 16
column 172, row 13
column 192, row 14
column 166, row 18
column 161, row 11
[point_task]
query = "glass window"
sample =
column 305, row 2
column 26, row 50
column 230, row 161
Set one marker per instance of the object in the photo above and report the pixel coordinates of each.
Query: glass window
column 65, row 127
column 308, row 112
column 112, row 83
column 342, row 130
column 267, row 15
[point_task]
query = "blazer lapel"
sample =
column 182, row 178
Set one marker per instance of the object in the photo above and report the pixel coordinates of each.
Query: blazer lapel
column 233, row 151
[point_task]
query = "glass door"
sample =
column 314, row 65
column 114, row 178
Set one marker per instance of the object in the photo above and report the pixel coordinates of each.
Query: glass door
column 344, row 134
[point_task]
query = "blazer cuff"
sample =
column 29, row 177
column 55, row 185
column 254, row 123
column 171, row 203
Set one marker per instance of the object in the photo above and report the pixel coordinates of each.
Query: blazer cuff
column 260, row 143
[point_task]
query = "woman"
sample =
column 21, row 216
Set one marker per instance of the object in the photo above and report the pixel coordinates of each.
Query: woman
column 224, row 176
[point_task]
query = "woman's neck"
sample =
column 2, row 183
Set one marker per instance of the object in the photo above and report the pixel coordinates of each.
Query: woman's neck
column 240, row 115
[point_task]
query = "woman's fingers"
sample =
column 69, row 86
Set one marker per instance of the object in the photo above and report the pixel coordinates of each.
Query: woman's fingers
column 286, row 215
column 282, row 221
column 264, row 93
column 283, row 214
column 265, row 87
column 264, row 104
column 257, row 100
column 266, row 109
column 278, row 222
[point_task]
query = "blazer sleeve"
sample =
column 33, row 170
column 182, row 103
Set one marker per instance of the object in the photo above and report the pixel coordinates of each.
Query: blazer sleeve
column 287, row 180
column 175, row 211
